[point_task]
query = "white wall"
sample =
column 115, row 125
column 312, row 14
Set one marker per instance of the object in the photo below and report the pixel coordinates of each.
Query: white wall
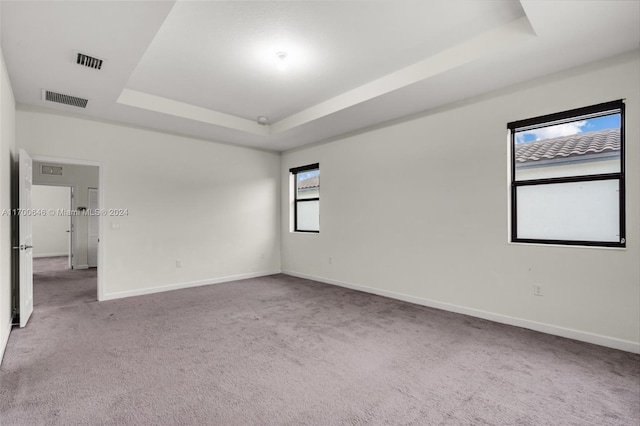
column 50, row 232
column 212, row 206
column 7, row 150
column 419, row 210
column 81, row 178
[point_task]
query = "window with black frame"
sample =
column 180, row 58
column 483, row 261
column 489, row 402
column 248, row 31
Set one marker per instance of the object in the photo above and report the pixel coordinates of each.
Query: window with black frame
column 306, row 198
column 567, row 177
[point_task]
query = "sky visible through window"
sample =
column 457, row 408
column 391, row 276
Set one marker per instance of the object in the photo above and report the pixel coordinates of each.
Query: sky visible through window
column 305, row 175
column 567, row 129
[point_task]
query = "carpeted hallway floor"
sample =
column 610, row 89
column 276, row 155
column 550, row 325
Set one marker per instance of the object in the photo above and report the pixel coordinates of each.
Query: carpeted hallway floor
column 280, row 350
column 55, row 285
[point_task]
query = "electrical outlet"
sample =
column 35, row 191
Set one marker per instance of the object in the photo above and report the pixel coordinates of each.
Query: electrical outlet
column 178, row 263
column 537, row 290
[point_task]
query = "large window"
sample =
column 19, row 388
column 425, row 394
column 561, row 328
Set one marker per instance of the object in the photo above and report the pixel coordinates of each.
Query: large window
column 306, row 198
column 567, row 177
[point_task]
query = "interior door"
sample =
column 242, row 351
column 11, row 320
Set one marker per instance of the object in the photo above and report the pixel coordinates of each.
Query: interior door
column 92, row 253
column 25, row 293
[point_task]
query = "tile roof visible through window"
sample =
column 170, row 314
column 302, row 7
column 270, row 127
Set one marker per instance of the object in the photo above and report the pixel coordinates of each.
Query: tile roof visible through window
column 310, row 182
column 587, row 145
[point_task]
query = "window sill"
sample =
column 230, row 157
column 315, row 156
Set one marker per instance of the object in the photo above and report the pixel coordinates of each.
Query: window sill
column 522, row 243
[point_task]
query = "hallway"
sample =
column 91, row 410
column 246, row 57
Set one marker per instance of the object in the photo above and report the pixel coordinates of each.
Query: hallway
column 55, row 285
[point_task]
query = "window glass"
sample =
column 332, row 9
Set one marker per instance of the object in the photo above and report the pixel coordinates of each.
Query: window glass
column 567, row 177
column 581, row 211
column 308, row 184
column 577, row 148
column 308, row 216
column 306, row 198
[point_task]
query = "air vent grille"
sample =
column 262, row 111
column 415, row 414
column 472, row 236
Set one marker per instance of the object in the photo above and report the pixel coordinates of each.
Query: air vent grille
column 89, row 61
column 51, row 170
column 65, row 99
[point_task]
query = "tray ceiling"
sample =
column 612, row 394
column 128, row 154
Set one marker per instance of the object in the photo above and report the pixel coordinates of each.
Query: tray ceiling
column 210, row 69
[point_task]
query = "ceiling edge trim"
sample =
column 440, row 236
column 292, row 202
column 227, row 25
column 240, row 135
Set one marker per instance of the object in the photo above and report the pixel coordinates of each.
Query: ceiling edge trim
column 162, row 105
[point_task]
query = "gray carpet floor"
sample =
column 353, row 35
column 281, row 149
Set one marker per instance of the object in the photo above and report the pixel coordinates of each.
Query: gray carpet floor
column 280, row 350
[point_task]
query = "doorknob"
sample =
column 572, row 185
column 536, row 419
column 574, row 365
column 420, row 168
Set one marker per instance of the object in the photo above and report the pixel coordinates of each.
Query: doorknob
column 22, row 247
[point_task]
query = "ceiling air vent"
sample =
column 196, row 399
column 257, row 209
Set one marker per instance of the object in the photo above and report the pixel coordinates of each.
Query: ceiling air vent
column 51, row 170
column 64, row 99
column 89, row 61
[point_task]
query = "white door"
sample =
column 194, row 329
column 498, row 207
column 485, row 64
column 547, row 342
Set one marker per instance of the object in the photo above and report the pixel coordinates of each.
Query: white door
column 92, row 253
column 25, row 303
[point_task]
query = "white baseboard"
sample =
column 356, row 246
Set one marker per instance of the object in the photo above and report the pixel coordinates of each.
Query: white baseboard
column 4, row 340
column 178, row 286
column 597, row 339
column 81, row 267
column 50, row 255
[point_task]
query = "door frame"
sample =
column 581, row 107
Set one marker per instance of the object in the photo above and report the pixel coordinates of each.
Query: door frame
column 101, row 222
column 89, row 206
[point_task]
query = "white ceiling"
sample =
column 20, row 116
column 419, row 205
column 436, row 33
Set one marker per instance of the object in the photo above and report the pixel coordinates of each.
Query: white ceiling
column 209, row 69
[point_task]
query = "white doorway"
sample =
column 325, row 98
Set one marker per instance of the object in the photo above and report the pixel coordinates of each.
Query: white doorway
column 23, row 267
column 74, row 177
column 64, row 199
column 52, row 232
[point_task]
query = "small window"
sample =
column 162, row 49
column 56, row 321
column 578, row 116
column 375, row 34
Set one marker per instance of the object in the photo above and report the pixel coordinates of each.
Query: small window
column 306, row 198
column 567, row 177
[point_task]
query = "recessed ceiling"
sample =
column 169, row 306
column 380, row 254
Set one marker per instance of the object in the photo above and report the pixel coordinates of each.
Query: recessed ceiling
column 210, row 69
